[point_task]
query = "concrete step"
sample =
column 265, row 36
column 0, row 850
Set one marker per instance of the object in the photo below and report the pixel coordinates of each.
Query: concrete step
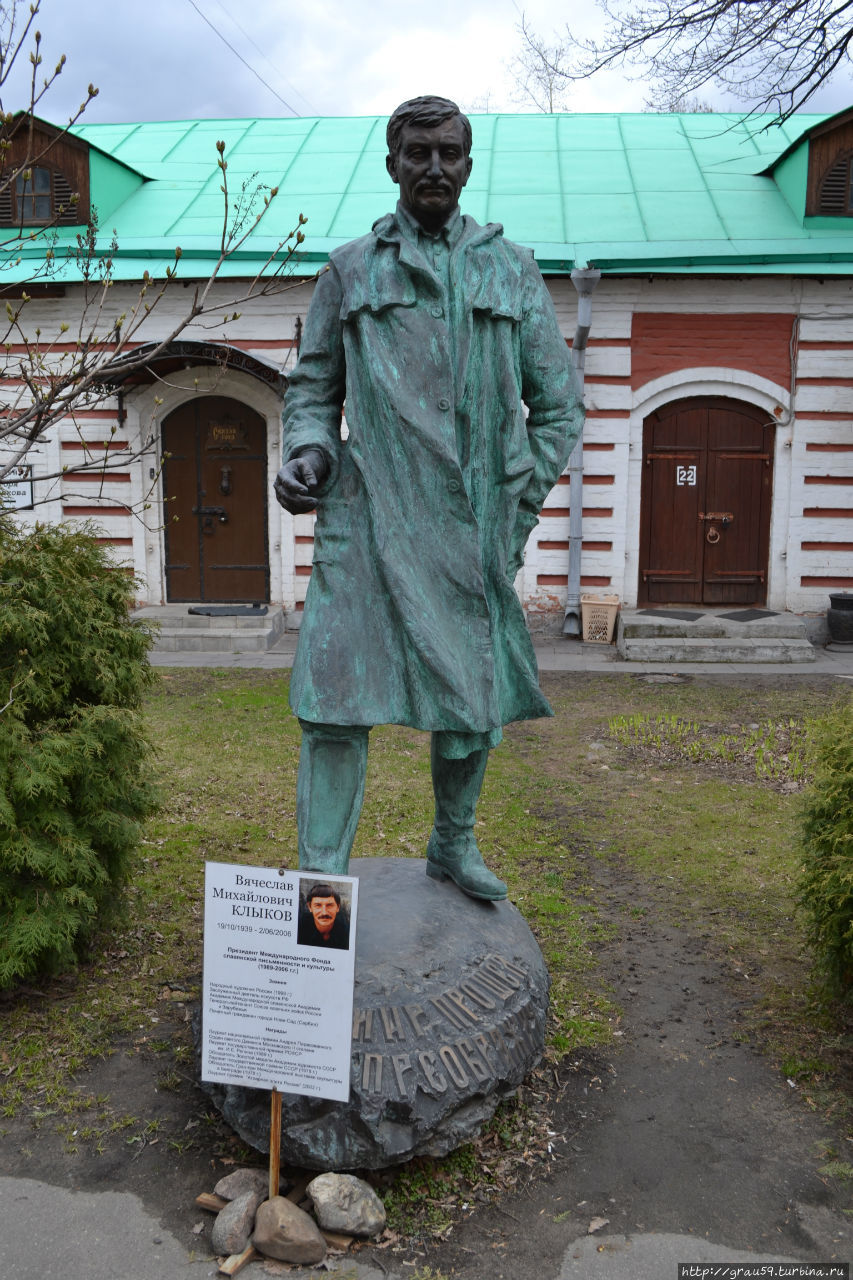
column 710, row 637
column 715, row 649
column 710, row 626
column 182, row 632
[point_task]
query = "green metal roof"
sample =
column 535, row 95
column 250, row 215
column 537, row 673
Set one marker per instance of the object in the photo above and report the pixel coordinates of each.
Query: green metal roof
column 627, row 193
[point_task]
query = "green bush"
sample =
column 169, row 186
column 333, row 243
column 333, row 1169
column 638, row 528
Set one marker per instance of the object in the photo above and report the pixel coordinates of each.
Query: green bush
column 826, row 884
column 75, row 776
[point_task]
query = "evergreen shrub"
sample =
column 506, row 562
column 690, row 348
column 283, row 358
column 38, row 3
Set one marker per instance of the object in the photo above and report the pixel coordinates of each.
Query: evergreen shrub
column 75, row 768
column 826, row 882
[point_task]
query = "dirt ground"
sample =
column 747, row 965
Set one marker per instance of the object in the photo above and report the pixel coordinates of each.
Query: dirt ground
column 680, row 1127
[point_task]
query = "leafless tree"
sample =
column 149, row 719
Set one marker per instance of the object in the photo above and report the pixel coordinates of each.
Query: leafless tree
column 48, row 378
column 541, row 70
column 682, row 103
column 770, row 54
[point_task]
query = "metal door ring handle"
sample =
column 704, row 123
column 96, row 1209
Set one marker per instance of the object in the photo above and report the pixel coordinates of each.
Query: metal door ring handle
column 713, row 535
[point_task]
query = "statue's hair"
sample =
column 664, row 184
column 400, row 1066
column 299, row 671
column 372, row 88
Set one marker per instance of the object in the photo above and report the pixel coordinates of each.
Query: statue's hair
column 427, row 112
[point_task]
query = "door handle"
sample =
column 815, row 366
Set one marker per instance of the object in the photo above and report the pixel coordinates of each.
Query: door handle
column 212, row 511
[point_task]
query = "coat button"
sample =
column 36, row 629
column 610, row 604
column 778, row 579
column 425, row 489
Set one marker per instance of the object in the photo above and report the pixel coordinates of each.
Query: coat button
column 443, row 403
column 454, row 486
column 437, row 311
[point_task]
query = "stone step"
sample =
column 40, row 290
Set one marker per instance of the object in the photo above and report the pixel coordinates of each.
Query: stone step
column 782, row 649
column 182, row 632
column 709, row 626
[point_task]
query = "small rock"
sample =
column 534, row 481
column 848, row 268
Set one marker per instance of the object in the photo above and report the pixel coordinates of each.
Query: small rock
column 285, row 1232
column 346, row 1203
column 233, row 1224
column 239, row 1181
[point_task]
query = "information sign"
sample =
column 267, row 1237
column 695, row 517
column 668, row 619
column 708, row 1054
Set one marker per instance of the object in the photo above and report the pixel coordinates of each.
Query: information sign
column 17, row 491
column 279, row 973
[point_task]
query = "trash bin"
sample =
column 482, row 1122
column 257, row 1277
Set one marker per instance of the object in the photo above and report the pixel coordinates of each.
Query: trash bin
column 599, row 618
column 839, row 617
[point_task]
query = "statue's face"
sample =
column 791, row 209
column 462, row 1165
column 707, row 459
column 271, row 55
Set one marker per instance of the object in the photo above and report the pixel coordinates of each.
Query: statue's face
column 431, row 168
column 324, row 911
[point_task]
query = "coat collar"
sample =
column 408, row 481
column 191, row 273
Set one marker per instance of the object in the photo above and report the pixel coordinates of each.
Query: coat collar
column 389, row 231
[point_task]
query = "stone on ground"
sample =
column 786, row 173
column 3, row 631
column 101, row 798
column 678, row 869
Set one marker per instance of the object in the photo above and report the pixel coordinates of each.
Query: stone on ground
column 346, row 1203
column 287, row 1233
column 233, row 1225
column 240, row 1180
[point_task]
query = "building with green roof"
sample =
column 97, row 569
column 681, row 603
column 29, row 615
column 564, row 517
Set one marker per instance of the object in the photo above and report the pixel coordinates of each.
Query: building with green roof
column 718, row 451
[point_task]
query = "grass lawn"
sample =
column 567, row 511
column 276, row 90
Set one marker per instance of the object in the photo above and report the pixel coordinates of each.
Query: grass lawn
column 611, row 779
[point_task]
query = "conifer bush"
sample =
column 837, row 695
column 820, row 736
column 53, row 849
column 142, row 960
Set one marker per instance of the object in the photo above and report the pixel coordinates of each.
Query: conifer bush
column 826, row 883
column 75, row 768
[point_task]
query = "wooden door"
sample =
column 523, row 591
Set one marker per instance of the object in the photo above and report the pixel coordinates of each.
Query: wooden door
column 215, row 477
column 705, row 516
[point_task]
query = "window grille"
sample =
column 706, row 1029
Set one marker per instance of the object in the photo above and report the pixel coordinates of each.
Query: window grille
column 836, row 189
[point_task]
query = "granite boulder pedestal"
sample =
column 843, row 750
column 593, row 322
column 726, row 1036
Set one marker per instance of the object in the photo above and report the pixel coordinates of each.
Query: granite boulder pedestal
column 451, row 995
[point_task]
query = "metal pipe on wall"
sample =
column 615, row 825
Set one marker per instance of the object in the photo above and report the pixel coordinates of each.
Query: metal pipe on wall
column 585, row 280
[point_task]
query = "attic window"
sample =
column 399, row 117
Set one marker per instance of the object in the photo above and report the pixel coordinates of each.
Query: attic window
column 836, row 189
column 829, row 189
column 36, row 197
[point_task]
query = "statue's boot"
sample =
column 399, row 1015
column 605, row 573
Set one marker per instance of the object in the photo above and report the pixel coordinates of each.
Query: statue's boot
column 452, row 851
column 329, row 795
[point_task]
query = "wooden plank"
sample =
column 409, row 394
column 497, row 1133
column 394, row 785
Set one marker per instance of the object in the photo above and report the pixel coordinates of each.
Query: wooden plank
column 297, row 1191
column 207, row 1200
column 336, row 1239
column 237, row 1261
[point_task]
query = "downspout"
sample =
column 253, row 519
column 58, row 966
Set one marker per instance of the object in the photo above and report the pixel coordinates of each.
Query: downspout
column 584, row 279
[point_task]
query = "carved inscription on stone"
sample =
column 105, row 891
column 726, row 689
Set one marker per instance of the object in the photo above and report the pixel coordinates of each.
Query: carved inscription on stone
column 460, row 1039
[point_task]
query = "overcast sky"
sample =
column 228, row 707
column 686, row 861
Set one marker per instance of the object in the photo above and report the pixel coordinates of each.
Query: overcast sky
column 160, row 59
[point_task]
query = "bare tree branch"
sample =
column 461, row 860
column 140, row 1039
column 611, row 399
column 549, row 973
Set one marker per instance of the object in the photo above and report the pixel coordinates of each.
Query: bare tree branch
column 770, row 54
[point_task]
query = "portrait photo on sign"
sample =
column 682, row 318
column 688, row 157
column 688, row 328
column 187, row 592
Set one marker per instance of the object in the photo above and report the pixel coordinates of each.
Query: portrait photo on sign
column 324, row 913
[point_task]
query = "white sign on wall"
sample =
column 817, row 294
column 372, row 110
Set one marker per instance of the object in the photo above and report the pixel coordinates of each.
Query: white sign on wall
column 17, row 491
column 279, row 972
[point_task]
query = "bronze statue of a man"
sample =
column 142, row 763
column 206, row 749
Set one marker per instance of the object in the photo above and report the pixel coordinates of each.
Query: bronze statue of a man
column 436, row 333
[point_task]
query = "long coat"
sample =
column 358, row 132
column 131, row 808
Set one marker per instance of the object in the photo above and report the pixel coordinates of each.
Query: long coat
column 411, row 615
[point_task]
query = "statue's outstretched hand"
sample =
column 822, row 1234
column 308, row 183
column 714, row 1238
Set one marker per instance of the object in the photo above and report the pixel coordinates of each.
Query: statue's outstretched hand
column 299, row 481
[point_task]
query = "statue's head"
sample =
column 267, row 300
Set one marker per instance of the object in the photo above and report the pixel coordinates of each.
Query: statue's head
column 429, row 157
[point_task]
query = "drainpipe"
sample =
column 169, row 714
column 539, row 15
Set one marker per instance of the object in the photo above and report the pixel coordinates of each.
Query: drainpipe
column 584, row 279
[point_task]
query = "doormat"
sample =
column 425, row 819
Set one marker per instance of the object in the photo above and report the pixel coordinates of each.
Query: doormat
column 670, row 613
column 748, row 615
column 229, row 610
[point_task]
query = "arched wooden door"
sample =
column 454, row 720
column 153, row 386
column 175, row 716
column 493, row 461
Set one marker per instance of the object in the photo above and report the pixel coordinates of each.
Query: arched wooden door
column 705, row 505
column 215, row 477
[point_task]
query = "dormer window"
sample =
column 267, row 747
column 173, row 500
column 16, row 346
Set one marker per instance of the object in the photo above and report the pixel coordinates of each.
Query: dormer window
column 40, row 196
column 46, row 178
column 836, row 189
column 36, row 197
column 829, row 192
